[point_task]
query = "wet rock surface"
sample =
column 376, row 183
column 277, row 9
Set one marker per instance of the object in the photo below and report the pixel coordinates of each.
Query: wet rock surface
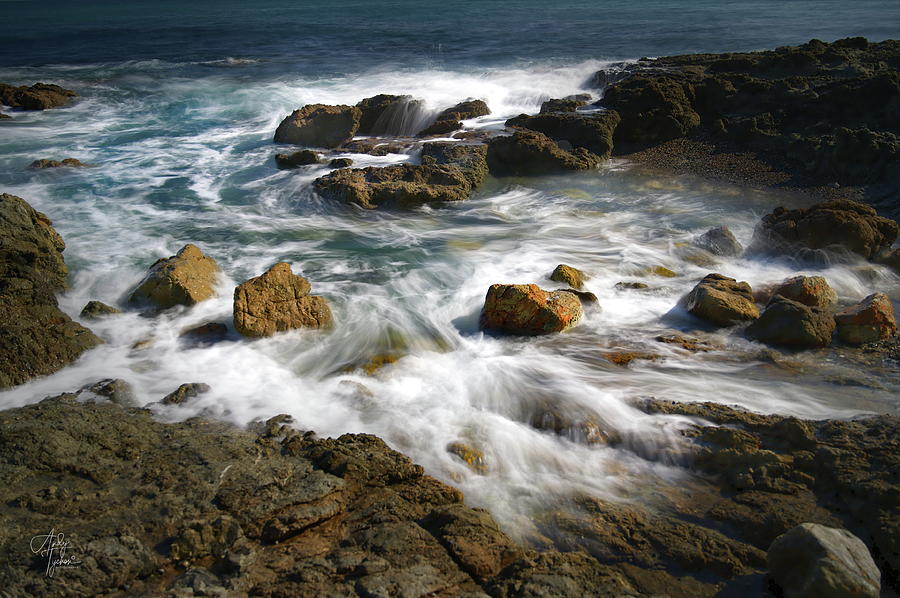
column 869, row 321
column 813, row 291
column 531, row 153
column 720, row 241
column 39, row 96
column 528, row 310
column 94, row 310
column 571, row 276
column 319, row 125
column 186, row 278
column 36, row 338
column 297, row 159
column 792, row 324
column 592, row 132
column 66, row 162
column 722, row 301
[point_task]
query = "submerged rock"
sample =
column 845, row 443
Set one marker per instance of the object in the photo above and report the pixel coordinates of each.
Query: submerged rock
column 319, row 125
column 473, row 457
column 116, row 390
column 186, row 278
column 211, row 332
column 836, row 226
column 571, row 276
column 526, row 153
column 815, row 561
column 592, row 132
column 36, row 338
column 793, row 324
column 276, row 301
column 720, row 241
column 185, row 392
column 94, row 310
column 452, row 173
column 301, row 158
column 529, row 310
column 67, row 162
column 722, row 301
column 39, row 96
column 870, row 320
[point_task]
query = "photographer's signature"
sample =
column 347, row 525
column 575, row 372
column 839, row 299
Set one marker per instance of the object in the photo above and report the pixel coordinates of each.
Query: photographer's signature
column 55, row 548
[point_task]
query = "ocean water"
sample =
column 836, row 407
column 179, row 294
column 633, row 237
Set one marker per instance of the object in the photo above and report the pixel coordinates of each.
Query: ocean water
column 178, row 105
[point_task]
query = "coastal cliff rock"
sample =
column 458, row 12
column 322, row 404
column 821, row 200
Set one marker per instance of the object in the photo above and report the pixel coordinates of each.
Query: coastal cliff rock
column 528, row 310
column 276, row 301
column 39, row 96
column 593, row 132
column 722, row 301
column 526, row 153
column 449, row 172
column 186, row 278
column 870, row 320
column 36, row 338
column 833, row 226
column 319, row 125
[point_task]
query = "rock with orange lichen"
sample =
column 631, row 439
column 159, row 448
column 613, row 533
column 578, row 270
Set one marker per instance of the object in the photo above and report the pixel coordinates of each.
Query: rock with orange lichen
column 528, row 310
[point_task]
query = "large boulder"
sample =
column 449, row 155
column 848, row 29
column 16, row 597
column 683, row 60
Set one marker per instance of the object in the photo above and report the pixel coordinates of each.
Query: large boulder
column 319, row 125
column 839, row 225
column 531, row 153
column 39, row 96
column 593, row 132
column 792, row 324
column 815, row 561
column 808, row 290
column 387, row 114
column 36, row 338
column 720, row 241
column 528, row 310
column 722, row 301
column 449, row 172
column 870, row 320
column 186, row 278
column 276, row 301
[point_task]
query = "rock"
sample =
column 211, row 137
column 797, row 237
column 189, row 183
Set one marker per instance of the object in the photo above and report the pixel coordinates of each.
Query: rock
column 186, row 278
column 695, row 345
column 39, row 96
column 44, row 163
column 624, row 358
column 276, row 301
column 719, row 241
column 340, row 163
column 470, row 455
column 870, row 320
column 529, row 310
column 319, row 125
column 571, row 276
column 185, row 392
column 814, row 561
column 587, row 298
column 808, row 290
column 36, row 338
column 561, row 575
column 793, row 324
column 631, row 286
column 375, row 146
column 722, row 301
column 570, row 104
column 840, row 225
column 448, row 120
column 578, row 425
column 116, row 390
column 387, row 114
column 454, row 171
column 301, row 158
column 440, row 127
column 4, row 116
column 527, row 153
column 890, row 258
column 592, row 132
column 209, row 333
column 659, row 271
column 95, row 310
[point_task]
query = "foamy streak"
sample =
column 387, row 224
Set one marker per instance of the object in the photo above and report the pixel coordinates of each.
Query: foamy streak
column 193, row 163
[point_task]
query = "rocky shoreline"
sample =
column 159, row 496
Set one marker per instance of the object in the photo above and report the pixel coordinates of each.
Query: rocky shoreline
column 201, row 508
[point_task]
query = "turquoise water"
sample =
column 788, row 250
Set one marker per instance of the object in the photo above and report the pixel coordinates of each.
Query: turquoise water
column 179, row 104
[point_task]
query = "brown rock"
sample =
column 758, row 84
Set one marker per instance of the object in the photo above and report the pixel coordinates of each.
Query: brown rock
column 571, row 276
column 722, row 301
column 211, row 332
column 39, row 96
column 719, row 241
column 440, row 127
column 473, row 457
column 276, row 301
column 569, row 104
column 70, row 162
column 185, row 392
column 94, row 310
column 301, row 158
column 793, row 324
column 592, row 132
column 527, row 153
column 529, row 310
column 870, row 320
column 387, row 114
column 319, row 125
column 186, row 278
column 341, row 163
column 808, row 290
column 465, row 110
column 624, row 358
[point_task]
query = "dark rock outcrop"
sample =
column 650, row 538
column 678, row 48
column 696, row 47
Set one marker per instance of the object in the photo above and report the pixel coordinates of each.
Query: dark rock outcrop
column 719, row 241
column 567, row 104
column 449, row 172
column 870, row 320
column 39, row 96
column 448, row 120
column 528, row 310
column 721, row 300
column 276, row 301
column 185, row 392
column 319, row 125
column 340, row 163
column 45, row 163
column 387, row 114
column 300, row 158
column 840, row 226
column 186, row 278
column 792, row 324
column 592, row 132
column 94, row 310
column 36, row 338
column 527, row 153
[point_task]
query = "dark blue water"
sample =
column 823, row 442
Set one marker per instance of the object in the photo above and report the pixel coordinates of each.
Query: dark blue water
column 339, row 37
